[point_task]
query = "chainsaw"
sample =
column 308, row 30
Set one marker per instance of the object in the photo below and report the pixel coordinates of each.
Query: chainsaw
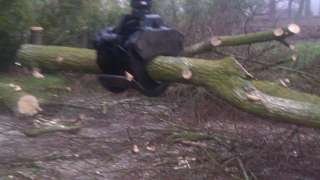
column 127, row 49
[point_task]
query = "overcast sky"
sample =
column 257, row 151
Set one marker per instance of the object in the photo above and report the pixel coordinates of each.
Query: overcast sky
column 315, row 6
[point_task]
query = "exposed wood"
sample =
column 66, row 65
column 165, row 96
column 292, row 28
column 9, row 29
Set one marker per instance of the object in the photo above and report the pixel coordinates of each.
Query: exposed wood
column 226, row 77
column 221, row 41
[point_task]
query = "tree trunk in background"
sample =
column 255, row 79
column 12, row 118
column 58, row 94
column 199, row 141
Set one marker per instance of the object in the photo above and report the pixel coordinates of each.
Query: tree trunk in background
column 308, row 11
column 225, row 77
column 272, row 8
column 84, row 39
column 290, row 3
column 301, row 8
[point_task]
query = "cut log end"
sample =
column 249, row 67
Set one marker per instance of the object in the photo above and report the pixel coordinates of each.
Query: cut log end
column 28, row 105
column 278, row 32
column 216, row 41
column 36, row 28
column 294, row 28
column 187, row 74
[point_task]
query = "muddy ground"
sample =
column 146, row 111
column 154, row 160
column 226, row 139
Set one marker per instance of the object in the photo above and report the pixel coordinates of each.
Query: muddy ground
column 129, row 136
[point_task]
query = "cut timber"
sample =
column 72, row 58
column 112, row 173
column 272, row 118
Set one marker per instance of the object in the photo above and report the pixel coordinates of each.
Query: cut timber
column 18, row 101
column 55, row 58
column 221, row 41
column 226, row 77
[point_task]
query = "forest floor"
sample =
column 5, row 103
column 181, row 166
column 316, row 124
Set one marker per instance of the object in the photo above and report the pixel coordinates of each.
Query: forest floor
column 186, row 134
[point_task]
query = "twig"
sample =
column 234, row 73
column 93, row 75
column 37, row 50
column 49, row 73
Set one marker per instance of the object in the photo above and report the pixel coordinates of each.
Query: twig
column 243, row 169
column 45, row 130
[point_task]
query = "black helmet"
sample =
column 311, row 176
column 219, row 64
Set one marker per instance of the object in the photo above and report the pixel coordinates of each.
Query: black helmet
column 141, row 4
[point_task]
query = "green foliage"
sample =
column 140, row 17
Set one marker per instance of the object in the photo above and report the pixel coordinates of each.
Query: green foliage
column 14, row 19
column 65, row 20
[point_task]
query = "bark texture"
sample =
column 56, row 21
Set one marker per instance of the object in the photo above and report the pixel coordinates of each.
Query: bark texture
column 57, row 58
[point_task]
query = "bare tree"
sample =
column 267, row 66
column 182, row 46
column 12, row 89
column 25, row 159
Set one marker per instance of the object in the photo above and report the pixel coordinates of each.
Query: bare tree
column 272, row 8
column 290, row 3
column 308, row 12
column 301, row 8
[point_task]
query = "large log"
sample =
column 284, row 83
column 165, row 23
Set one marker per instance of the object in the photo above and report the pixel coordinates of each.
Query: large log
column 226, row 77
column 279, row 34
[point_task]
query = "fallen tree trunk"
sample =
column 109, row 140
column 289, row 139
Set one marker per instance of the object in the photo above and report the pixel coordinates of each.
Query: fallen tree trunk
column 279, row 34
column 226, row 77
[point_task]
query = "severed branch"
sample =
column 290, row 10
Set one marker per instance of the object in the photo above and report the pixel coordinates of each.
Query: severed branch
column 279, row 34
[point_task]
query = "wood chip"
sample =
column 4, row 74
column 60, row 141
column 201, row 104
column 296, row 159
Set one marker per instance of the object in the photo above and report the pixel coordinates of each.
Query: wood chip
column 15, row 87
column 294, row 58
column 135, row 149
column 151, row 148
column 37, row 74
column 129, row 76
column 69, row 89
column 292, row 47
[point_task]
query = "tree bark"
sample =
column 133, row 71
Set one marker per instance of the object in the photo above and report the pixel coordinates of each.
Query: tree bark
column 278, row 34
column 55, row 58
column 226, row 77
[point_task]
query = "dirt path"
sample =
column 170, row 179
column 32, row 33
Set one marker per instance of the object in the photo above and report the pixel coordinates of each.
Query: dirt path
column 113, row 124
